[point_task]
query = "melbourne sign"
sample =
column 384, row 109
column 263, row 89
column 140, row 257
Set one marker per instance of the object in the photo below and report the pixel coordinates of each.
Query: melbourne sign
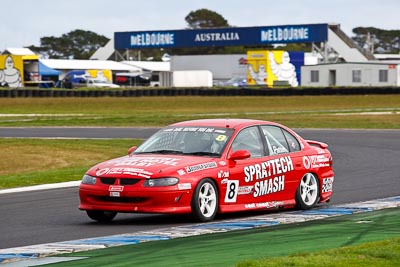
column 222, row 36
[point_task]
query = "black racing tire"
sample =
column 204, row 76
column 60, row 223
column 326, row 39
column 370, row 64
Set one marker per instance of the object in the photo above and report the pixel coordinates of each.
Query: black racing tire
column 205, row 201
column 101, row 216
column 307, row 194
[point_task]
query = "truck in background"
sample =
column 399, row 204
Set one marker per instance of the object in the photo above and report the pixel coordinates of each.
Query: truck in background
column 188, row 78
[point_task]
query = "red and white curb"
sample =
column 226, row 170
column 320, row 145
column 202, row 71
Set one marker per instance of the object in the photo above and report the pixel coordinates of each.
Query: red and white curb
column 40, row 254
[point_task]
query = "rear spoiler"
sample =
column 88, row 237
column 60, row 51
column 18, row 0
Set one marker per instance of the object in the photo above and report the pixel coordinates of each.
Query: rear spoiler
column 316, row 143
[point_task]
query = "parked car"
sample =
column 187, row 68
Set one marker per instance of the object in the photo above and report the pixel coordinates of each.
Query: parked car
column 92, row 82
column 138, row 79
column 236, row 81
column 81, row 78
column 132, row 79
column 205, row 167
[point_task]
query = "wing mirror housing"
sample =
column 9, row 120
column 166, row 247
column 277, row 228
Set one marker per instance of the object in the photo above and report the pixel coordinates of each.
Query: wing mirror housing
column 131, row 150
column 240, row 154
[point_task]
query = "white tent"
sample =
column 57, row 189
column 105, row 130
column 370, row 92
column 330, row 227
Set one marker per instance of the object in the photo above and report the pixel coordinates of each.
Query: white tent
column 79, row 64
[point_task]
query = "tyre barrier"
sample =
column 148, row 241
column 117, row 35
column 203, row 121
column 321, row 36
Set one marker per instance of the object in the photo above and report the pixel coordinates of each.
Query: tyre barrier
column 13, row 93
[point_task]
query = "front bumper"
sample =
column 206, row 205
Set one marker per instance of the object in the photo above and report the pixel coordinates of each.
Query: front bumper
column 146, row 200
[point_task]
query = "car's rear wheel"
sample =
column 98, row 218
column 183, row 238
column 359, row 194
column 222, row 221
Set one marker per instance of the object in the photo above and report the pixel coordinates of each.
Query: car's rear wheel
column 307, row 193
column 205, row 201
column 101, row 216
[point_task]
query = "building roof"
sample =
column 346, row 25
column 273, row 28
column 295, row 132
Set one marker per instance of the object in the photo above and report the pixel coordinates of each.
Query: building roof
column 19, row 51
column 79, row 64
column 150, row 65
column 387, row 56
column 104, row 53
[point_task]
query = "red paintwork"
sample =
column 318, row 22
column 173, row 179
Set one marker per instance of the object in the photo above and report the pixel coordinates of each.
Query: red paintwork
column 177, row 198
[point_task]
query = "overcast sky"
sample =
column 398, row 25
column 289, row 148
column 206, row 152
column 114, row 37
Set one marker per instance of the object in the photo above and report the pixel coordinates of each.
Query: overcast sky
column 24, row 22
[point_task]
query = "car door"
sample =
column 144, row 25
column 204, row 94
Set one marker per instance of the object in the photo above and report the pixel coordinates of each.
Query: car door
column 272, row 173
column 240, row 185
column 285, row 164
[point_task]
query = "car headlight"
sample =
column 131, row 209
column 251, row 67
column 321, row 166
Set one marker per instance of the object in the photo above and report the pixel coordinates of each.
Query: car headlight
column 167, row 181
column 87, row 179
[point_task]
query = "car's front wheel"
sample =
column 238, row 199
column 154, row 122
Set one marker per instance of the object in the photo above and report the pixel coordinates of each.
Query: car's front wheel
column 101, row 216
column 205, row 201
column 307, row 193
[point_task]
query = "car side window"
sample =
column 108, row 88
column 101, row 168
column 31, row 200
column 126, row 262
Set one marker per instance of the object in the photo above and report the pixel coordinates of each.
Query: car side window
column 249, row 139
column 293, row 142
column 275, row 139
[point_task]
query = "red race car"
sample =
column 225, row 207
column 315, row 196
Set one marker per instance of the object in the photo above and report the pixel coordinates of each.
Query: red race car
column 210, row 166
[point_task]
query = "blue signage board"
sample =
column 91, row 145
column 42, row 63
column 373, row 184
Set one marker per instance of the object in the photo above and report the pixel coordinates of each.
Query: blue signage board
column 236, row 36
column 297, row 59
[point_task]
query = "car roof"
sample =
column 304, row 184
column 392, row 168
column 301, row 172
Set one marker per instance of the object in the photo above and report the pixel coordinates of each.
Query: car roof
column 225, row 123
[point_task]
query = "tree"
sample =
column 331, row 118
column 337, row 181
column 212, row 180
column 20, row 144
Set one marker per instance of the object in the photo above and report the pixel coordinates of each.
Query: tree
column 204, row 18
column 383, row 41
column 77, row 44
column 201, row 19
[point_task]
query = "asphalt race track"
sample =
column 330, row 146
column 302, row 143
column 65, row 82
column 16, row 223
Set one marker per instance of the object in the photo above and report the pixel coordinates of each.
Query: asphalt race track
column 365, row 164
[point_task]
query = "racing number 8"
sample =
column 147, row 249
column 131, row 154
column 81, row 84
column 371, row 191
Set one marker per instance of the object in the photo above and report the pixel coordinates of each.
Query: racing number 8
column 232, row 189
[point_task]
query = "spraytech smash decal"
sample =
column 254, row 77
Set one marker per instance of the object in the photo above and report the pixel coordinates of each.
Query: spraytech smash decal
column 269, row 176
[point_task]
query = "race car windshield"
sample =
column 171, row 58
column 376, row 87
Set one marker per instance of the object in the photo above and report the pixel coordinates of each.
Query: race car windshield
column 197, row 141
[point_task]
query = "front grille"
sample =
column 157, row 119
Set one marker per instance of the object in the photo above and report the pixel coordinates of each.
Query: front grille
column 108, row 180
column 127, row 181
column 122, row 181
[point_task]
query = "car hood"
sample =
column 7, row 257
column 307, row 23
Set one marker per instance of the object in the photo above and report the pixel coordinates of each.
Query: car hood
column 153, row 166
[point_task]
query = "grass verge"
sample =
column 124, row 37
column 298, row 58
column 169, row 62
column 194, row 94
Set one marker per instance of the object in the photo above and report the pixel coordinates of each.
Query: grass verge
column 379, row 253
column 40, row 161
column 365, row 111
column 364, row 239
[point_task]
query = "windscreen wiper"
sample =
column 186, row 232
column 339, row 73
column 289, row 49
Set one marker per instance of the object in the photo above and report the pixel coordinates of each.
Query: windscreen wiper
column 162, row 151
column 203, row 153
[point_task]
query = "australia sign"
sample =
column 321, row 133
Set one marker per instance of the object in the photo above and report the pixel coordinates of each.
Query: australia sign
column 234, row 36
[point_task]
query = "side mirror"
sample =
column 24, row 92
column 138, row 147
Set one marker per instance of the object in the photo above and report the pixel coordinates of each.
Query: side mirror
column 131, row 150
column 240, row 154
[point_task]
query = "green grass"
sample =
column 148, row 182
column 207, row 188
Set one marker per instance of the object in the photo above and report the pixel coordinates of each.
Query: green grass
column 41, row 161
column 334, row 241
column 379, row 253
column 295, row 111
